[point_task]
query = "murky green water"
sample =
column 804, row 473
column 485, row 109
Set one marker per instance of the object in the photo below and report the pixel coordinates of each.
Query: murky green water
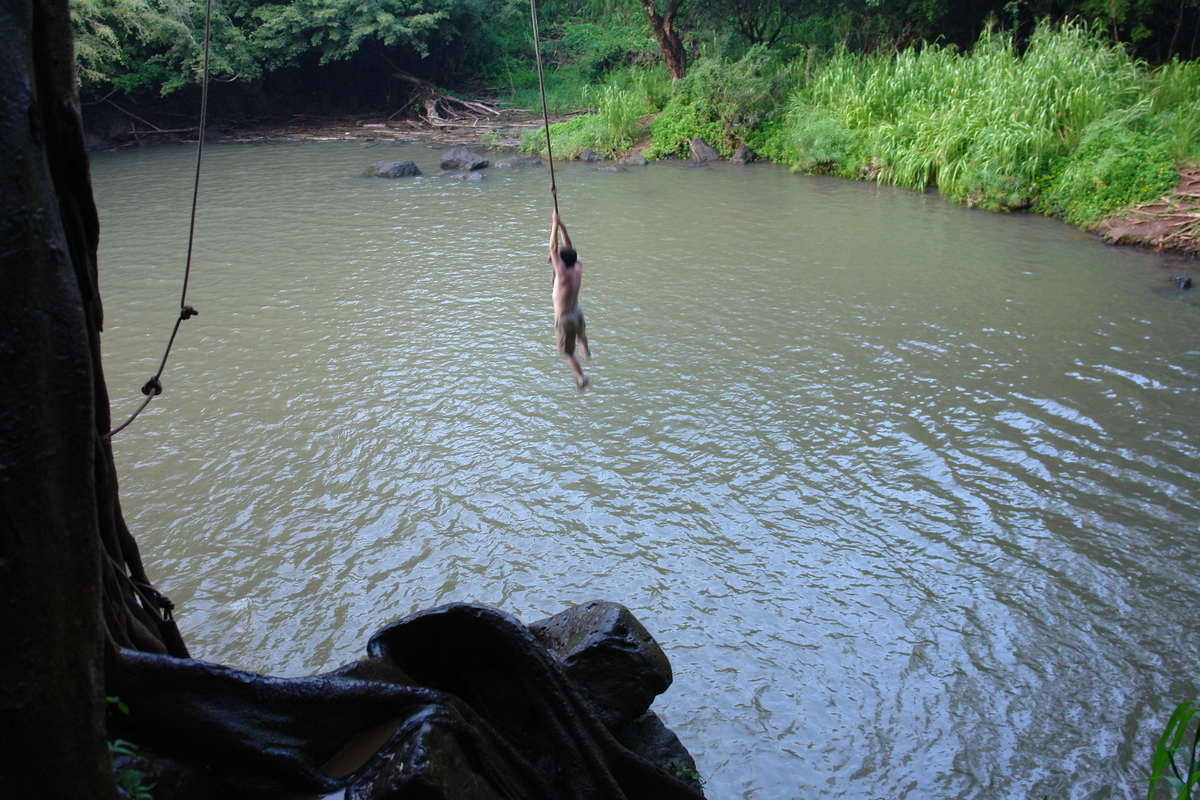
column 907, row 492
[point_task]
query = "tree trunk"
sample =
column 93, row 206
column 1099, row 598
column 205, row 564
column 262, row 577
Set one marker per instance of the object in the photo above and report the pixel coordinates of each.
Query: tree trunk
column 52, row 706
column 71, row 581
column 668, row 38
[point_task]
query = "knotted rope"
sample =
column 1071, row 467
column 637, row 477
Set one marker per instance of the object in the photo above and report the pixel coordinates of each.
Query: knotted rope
column 153, row 387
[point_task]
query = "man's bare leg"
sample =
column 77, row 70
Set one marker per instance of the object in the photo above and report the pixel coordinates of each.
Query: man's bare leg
column 587, row 351
column 581, row 381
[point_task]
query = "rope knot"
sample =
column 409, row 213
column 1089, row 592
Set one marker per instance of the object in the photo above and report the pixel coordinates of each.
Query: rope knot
column 153, row 385
column 187, row 312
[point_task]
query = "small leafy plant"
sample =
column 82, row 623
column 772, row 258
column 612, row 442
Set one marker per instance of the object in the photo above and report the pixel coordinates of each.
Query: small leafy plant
column 684, row 771
column 130, row 779
column 1174, row 752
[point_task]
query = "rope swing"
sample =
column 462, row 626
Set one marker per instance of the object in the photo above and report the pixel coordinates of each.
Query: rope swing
column 537, row 51
column 153, row 387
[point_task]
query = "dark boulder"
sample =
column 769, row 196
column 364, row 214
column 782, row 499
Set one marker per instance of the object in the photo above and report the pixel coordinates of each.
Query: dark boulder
column 635, row 160
column 743, row 155
column 393, row 169
column 654, row 741
column 703, row 152
column 588, row 156
column 462, row 158
column 609, row 656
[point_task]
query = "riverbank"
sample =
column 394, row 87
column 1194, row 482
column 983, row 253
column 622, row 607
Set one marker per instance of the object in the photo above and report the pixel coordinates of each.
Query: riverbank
column 1170, row 224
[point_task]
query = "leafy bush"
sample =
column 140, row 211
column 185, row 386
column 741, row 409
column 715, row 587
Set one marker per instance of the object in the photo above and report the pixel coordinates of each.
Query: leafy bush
column 593, row 50
column 721, row 102
column 1112, row 169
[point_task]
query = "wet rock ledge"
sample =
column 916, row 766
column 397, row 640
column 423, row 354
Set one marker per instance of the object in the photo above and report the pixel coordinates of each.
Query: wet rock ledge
column 467, row 702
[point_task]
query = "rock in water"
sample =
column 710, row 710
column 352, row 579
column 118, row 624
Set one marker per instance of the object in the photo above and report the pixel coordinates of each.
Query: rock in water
column 743, row 155
column 610, row 656
column 393, row 169
column 703, row 152
column 462, row 158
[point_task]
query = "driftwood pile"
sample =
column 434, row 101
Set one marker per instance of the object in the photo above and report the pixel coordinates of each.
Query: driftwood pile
column 436, row 108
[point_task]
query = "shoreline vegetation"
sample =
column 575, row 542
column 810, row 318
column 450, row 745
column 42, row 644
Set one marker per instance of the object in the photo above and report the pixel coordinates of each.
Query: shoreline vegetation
column 1073, row 127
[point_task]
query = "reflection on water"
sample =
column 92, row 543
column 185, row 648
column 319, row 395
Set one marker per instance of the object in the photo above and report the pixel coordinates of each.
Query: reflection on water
column 907, row 492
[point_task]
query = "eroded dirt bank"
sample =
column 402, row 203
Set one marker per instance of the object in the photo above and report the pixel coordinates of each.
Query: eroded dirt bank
column 1170, row 224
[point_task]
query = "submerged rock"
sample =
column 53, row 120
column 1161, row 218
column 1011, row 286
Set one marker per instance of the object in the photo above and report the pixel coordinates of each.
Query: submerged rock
column 635, row 160
column 393, row 169
column 462, row 158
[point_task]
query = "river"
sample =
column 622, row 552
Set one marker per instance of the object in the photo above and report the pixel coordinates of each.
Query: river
column 906, row 491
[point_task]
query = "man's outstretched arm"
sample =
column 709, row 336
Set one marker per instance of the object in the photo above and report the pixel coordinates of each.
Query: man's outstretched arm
column 566, row 237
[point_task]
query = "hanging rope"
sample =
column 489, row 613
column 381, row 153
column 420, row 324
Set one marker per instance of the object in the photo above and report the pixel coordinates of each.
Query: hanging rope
column 537, row 50
column 154, row 387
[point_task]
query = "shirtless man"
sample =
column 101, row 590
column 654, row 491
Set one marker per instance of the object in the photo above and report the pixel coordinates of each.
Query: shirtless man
column 568, row 314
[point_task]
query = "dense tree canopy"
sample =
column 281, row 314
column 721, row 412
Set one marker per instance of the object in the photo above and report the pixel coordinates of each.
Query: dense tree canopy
column 155, row 45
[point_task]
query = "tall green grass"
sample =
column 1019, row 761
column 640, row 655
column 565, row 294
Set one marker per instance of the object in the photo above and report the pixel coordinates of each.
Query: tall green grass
column 608, row 130
column 989, row 127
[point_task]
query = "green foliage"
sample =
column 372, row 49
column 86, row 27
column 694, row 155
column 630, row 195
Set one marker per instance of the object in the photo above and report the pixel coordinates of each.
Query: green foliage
column 680, row 769
column 984, row 127
column 136, row 44
column 130, row 779
column 1174, row 107
column 336, row 29
column 1112, row 169
column 158, row 44
column 675, row 127
column 769, row 140
column 1171, row 746
column 721, row 102
column 592, row 50
column 609, row 131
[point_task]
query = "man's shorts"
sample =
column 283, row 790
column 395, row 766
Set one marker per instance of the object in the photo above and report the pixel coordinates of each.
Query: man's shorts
column 568, row 327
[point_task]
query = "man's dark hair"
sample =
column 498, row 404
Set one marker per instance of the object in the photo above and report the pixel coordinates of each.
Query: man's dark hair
column 568, row 256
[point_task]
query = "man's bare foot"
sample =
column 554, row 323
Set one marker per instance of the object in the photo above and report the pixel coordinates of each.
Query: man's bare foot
column 582, row 382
